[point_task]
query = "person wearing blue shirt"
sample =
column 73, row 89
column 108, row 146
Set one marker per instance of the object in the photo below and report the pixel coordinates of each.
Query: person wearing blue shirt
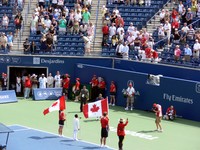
column 10, row 40
column 187, row 53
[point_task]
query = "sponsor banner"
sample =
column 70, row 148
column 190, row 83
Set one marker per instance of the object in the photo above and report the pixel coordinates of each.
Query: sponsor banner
column 8, row 96
column 47, row 94
column 182, row 94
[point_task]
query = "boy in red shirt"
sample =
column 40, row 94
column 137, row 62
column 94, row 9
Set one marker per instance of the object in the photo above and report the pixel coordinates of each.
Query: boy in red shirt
column 121, row 132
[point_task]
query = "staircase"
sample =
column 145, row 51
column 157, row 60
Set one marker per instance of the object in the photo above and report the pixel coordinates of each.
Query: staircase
column 96, row 45
column 154, row 23
column 25, row 31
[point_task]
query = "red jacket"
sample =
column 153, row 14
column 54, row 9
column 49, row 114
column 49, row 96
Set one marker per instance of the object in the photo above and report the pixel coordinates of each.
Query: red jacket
column 105, row 30
column 120, row 128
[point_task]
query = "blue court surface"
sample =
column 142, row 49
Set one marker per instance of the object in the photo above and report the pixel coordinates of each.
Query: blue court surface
column 24, row 138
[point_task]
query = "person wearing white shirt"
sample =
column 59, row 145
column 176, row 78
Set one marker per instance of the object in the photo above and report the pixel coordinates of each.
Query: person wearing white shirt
column 47, row 22
column 130, row 92
column 162, row 16
column 130, row 41
column 78, row 16
column 180, row 7
column 76, row 127
column 196, row 49
column 120, row 28
column 147, row 2
column 57, row 79
column 131, row 28
column 112, row 30
column 185, row 28
column 167, row 29
column 125, row 51
column 119, row 49
column 42, row 82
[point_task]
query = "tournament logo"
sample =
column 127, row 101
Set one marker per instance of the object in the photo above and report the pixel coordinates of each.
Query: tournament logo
column 36, row 60
column 39, row 94
column 197, row 87
column 45, row 94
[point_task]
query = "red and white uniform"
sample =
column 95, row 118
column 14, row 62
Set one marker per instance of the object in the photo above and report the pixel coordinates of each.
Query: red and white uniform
column 159, row 110
column 77, row 85
column 112, row 87
column 94, row 82
column 102, row 85
column 66, row 83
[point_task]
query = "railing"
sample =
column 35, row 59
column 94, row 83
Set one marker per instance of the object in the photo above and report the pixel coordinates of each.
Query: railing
column 97, row 16
column 155, row 45
column 153, row 18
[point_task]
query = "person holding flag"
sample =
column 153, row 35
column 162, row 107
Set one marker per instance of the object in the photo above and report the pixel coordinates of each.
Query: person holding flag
column 59, row 105
column 104, row 129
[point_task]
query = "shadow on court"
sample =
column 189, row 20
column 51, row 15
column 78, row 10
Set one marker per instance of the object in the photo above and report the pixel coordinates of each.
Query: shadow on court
column 31, row 139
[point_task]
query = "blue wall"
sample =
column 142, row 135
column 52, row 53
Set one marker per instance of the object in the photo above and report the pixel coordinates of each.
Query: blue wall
column 184, row 95
column 165, row 70
column 63, row 64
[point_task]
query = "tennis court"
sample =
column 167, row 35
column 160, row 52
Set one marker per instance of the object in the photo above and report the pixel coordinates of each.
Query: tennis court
column 31, row 126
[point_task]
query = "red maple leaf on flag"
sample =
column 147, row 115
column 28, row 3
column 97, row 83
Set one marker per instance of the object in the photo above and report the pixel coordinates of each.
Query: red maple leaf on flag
column 54, row 104
column 94, row 108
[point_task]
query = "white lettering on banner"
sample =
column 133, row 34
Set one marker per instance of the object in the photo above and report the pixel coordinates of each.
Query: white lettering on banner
column 137, row 134
column 4, row 96
column 177, row 98
column 52, row 61
column 198, row 88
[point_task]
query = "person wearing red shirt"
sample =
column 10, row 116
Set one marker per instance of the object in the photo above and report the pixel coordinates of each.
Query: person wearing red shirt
column 148, row 53
column 112, row 93
column 94, row 91
column 143, row 42
column 175, row 25
column 174, row 14
column 170, row 113
column 177, row 53
column 62, row 118
column 27, row 86
column 121, row 132
column 104, row 129
column 102, row 87
column 119, row 20
column 154, row 56
column 105, row 31
column 66, row 82
column 77, row 89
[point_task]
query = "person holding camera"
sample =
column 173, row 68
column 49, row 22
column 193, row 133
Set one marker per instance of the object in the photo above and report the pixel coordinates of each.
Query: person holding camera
column 157, row 108
column 84, row 96
column 130, row 92
column 121, row 132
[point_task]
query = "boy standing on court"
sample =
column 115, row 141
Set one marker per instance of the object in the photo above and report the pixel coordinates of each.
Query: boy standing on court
column 104, row 129
column 76, row 127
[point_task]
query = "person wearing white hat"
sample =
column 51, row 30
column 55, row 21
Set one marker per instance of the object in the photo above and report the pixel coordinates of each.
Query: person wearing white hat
column 34, row 82
column 130, row 92
column 42, row 82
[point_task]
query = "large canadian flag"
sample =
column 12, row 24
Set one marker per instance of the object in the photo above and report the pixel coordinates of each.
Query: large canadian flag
column 57, row 105
column 95, row 109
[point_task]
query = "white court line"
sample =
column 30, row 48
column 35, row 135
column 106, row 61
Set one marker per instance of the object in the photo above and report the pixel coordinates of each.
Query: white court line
column 28, row 128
